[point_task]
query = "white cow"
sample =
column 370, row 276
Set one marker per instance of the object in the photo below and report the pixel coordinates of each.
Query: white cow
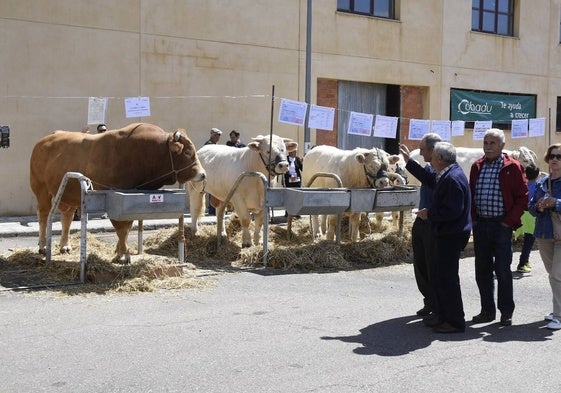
column 223, row 166
column 466, row 156
column 358, row 168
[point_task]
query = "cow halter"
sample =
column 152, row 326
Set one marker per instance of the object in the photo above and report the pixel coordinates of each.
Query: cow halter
column 382, row 172
column 271, row 166
column 175, row 172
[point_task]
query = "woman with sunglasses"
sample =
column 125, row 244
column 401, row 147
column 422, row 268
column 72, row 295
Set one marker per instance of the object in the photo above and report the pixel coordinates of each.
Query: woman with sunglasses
column 545, row 205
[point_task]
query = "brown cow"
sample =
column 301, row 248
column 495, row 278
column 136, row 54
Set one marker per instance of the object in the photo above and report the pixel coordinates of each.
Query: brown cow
column 139, row 156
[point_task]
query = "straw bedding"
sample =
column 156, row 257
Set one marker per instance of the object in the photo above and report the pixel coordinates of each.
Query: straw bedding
column 158, row 269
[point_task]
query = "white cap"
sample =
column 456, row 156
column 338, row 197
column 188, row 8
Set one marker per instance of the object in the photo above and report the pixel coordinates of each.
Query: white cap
column 215, row 131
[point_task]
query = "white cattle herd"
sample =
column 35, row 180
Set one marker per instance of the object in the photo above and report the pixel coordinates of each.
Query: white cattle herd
column 224, row 164
column 358, row 168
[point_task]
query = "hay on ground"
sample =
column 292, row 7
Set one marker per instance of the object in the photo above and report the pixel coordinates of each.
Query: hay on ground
column 158, row 268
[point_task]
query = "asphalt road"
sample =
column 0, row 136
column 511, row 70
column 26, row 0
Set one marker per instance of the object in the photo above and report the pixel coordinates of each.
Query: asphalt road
column 258, row 331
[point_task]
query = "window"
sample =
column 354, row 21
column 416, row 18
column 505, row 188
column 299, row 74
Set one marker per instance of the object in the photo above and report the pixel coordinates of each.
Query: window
column 558, row 116
column 492, row 16
column 378, row 8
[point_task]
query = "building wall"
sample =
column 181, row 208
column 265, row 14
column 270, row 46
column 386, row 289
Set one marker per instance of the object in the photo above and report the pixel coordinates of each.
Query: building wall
column 213, row 63
column 203, row 64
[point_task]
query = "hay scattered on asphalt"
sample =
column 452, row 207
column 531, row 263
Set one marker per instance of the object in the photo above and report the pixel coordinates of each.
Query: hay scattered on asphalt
column 25, row 268
column 158, row 269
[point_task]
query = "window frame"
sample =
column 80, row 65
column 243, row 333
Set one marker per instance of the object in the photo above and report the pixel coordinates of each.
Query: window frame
column 351, row 9
column 481, row 10
column 558, row 115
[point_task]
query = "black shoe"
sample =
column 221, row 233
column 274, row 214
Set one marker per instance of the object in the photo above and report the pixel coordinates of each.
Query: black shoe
column 445, row 327
column 506, row 320
column 423, row 312
column 432, row 320
column 483, row 318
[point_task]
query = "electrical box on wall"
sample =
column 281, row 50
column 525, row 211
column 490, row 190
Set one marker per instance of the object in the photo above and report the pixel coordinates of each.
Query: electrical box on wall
column 4, row 136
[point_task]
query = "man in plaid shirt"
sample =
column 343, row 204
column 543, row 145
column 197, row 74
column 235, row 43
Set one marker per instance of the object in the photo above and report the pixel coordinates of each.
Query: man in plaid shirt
column 500, row 196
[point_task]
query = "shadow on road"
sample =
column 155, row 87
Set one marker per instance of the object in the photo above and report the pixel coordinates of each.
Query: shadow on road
column 403, row 335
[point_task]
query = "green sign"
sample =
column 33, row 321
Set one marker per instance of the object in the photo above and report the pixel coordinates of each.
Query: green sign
column 470, row 105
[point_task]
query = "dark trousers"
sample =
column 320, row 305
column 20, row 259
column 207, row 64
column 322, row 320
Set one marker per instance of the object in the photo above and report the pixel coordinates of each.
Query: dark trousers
column 527, row 247
column 423, row 257
column 447, row 279
column 492, row 243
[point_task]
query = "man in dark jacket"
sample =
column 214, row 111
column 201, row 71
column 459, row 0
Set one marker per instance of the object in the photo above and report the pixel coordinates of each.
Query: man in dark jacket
column 421, row 235
column 500, row 196
column 450, row 221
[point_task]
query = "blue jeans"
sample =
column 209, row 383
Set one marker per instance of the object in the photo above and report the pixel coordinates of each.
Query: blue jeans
column 492, row 243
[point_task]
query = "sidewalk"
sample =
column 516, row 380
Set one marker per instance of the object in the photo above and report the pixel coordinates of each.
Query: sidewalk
column 28, row 225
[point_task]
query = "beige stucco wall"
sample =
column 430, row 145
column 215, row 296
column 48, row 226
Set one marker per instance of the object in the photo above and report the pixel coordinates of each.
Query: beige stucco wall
column 202, row 63
column 472, row 60
column 212, row 63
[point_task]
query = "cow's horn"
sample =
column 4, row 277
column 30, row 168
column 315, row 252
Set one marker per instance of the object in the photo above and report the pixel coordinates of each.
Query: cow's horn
column 176, row 136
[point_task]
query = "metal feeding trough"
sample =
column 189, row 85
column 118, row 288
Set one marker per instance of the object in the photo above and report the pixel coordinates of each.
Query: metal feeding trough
column 145, row 205
column 385, row 199
column 300, row 201
column 396, row 198
column 120, row 205
column 274, row 197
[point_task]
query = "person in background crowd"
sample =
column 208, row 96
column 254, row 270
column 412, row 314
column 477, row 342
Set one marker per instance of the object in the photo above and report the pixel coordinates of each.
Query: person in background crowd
column 450, row 223
column 500, row 196
column 215, row 134
column 293, row 177
column 235, row 139
column 421, row 235
column 544, row 204
column 528, row 224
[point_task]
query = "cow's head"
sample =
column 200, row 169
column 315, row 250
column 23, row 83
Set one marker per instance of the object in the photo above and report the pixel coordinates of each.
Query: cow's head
column 375, row 163
column 525, row 156
column 396, row 171
column 184, row 157
column 272, row 152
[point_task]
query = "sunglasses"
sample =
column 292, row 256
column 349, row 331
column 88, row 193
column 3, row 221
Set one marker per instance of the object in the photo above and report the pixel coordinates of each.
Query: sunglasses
column 552, row 156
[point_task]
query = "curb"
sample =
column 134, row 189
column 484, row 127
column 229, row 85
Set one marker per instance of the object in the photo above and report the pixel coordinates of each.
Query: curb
column 28, row 225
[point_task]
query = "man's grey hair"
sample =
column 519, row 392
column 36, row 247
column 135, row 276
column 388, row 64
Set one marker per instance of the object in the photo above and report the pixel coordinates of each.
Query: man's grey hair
column 445, row 150
column 497, row 133
column 430, row 139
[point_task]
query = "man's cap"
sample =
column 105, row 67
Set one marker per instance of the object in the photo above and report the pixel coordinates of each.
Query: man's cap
column 215, row 131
